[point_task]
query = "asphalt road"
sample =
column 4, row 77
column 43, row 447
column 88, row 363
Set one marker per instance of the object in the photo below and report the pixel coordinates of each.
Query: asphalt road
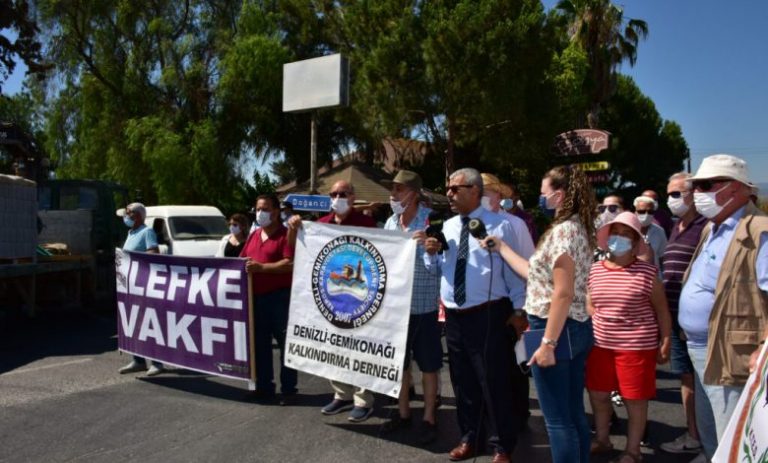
column 61, row 399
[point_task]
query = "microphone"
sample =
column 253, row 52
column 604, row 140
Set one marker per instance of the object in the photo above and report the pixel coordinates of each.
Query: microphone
column 435, row 229
column 477, row 229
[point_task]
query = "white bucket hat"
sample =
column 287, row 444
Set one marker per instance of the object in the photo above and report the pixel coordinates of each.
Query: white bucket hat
column 723, row 166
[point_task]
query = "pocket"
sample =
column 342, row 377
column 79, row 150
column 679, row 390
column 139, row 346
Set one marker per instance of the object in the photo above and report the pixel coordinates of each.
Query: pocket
column 739, row 345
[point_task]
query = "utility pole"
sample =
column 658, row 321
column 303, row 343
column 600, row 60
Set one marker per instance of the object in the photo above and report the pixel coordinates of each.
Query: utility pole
column 313, row 156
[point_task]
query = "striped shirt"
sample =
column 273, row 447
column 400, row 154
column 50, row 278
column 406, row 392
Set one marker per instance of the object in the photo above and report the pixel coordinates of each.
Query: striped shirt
column 624, row 318
column 426, row 286
column 677, row 256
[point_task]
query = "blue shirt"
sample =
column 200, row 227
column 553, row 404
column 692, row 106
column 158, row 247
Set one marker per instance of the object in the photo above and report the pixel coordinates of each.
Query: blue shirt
column 484, row 271
column 140, row 239
column 426, row 286
column 698, row 296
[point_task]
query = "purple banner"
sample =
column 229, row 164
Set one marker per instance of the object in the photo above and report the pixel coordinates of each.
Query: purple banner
column 190, row 312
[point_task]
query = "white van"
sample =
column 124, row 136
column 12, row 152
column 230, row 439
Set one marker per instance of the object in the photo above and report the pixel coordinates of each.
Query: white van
column 194, row 231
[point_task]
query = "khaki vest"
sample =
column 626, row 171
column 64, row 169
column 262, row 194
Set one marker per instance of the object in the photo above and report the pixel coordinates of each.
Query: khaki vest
column 738, row 319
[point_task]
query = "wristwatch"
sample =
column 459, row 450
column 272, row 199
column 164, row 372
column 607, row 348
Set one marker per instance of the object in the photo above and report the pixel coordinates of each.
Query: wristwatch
column 549, row 342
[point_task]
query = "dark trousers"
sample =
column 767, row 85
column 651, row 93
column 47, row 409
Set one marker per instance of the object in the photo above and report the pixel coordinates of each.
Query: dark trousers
column 271, row 321
column 479, row 359
column 521, row 386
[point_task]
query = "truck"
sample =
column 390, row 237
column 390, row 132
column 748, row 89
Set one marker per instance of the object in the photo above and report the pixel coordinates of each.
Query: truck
column 76, row 217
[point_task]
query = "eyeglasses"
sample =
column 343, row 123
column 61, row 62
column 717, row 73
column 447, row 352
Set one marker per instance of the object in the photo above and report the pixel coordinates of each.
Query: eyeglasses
column 678, row 194
column 707, row 185
column 612, row 208
column 455, row 188
column 338, row 194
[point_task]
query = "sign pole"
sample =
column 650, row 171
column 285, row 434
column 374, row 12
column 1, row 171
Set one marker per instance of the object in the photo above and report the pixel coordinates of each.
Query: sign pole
column 313, row 156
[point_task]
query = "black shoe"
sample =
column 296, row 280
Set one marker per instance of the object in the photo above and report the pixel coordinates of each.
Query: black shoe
column 396, row 423
column 261, row 397
column 287, row 399
column 427, row 433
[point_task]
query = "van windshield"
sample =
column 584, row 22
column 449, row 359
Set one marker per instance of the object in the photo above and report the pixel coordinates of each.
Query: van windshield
column 198, row 228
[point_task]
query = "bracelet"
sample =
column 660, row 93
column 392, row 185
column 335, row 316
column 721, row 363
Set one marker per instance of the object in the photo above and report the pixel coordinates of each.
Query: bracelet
column 549, row 342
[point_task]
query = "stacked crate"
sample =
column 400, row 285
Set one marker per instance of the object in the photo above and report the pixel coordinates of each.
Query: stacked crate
column 18, row 217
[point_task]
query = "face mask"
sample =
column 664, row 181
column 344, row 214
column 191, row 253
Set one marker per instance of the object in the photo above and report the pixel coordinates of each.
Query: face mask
column 128, row 221
column 398, row 207
column 545, row 207
column 284, row 216
column 234, row 229
column 507, row 204
column 340, row 205
column 619, row 245
column 645, row 218
column 263, row 218
column 485, row 201
column 706, row 203
column 677, row 206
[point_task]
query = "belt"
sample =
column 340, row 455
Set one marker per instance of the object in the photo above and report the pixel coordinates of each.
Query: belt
column 474, row 308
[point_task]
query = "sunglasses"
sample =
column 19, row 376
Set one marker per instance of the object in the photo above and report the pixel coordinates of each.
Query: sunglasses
column 455, row 188
column 338, row 194
column 707, row 185
column 677, row 194
column 612, row 208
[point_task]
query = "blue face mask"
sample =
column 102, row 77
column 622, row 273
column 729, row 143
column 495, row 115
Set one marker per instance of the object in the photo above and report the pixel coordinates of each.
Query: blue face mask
column 619, row 245
column 128, row 221
column 544, row 207
column 506, row 204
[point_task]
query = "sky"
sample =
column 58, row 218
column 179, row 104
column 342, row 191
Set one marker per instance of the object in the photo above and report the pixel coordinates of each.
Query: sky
column 705, row 66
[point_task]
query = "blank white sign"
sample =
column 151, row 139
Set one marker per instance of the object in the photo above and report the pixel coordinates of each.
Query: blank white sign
column 315, row 83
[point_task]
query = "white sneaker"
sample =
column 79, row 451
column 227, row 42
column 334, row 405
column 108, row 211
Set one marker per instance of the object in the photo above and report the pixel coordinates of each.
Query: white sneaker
column 133, row 367
column 700, row 458
column 155, row 370
column 683, row 444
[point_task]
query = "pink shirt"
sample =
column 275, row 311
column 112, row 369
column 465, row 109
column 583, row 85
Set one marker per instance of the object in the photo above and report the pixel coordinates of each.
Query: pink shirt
column 624, row 318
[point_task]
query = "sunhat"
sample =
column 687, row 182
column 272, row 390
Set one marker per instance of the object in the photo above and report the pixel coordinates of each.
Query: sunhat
column 625, row 218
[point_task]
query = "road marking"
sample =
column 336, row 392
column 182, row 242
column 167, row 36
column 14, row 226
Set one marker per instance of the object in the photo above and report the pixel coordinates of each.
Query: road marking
column 45, row 367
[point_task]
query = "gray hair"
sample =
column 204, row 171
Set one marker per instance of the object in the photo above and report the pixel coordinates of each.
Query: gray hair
column 471, row 177
column 137, row 208
column 683, row 176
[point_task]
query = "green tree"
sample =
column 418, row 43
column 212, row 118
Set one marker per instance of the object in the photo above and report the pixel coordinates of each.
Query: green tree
column 24, row 45
column 600, row 29
column 646, row 149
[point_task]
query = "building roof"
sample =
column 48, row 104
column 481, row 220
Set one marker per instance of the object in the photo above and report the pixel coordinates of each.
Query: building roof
column 366, row 180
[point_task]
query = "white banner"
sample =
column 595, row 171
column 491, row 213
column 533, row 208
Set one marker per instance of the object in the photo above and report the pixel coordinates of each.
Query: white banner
column 350, row 304
column 746, row 437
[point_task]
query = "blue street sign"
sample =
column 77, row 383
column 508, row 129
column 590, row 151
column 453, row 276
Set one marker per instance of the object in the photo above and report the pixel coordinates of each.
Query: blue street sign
column 313, row 203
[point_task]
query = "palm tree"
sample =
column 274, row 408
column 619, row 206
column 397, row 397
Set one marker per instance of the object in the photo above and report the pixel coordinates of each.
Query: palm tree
column 599, row 27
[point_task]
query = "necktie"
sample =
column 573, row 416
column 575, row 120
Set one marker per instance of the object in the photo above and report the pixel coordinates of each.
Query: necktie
column 460, row 277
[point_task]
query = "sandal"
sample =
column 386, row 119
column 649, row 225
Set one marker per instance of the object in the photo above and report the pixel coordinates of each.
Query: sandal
column 632, row 457
column 599, row 448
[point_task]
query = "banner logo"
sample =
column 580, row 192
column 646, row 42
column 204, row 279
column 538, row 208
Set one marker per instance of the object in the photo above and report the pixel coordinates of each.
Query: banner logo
column 348, row 281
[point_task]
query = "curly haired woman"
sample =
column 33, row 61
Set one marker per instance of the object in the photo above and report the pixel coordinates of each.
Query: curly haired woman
column 556, row 302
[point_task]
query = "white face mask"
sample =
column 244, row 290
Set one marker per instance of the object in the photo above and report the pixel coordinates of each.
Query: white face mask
column 398, row 207
column 263, row 219
column 340, row 205
column 646, row 218
column 677, row 206
column 234, row 229
column 486, row 203
column 706, row 203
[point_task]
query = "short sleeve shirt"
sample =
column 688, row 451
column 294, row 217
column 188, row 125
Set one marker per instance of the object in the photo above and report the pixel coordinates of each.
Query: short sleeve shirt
column 274, row 249
column 624, row 316
column 568, row 237
column 354, row 218
column 426, row 286
column 141, row 239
